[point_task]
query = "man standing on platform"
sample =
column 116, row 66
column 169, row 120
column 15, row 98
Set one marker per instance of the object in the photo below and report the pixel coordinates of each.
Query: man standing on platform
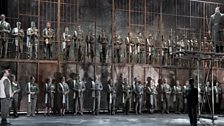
column 111, row 97
column 216, row 26
column 5, row 96
column 18, row 35
column 192, row 102
column 103, row 40
column 32, row 40
column 166, row 90
column 5, row 29
column 48, row 34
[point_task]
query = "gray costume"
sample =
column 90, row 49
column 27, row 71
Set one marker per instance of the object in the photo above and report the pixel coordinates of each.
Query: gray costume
column 49, row 94
column 166, row 90
column 111, row 98
column 127, row 93
column 5, row 29
column 96, row 88
column 48, row 35
column 177, row 98
column 79, row 88
column 32, row 90
column 5, row 95
column 16, row 90
column 90, row 40
column 139, row 90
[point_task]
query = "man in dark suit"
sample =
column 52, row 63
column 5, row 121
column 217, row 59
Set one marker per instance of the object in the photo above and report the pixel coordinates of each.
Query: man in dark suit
column 192, row 102
column 216, row 29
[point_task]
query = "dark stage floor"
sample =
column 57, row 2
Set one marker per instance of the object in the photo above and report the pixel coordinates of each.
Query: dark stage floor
column 116, row 120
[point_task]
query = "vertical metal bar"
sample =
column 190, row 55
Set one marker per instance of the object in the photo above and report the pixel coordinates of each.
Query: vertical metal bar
column 145, row 16
column 129, row 17
column 112, row 42
column 212, row 91
column 58, row 34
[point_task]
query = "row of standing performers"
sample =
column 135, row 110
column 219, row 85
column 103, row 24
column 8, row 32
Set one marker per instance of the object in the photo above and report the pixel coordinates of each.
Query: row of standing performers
column 155, row 98
column 132, row 48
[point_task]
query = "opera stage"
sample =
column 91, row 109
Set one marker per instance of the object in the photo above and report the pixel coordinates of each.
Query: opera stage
column 116, row 120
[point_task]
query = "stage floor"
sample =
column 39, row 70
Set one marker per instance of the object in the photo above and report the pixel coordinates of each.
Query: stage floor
column 116, row 120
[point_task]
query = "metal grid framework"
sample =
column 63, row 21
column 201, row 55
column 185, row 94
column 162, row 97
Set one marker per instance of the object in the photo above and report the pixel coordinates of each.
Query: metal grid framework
column 147, row 16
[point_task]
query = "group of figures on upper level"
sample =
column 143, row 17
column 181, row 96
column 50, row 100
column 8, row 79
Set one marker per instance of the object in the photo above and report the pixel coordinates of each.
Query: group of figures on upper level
column 87, row 47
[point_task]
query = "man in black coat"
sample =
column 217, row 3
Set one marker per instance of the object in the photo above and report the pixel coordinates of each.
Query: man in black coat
column 216, row 29
column 192, row 102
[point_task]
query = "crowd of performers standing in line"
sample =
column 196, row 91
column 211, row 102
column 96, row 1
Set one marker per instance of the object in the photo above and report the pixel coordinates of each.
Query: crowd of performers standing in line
column 164, row 96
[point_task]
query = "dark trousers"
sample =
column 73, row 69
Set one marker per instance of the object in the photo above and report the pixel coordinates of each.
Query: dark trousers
column 15, row 106
column 192, row 113
column 5, row 105
column 104, row 54
column 127, row 106
column 48, row 50
column 111, row 106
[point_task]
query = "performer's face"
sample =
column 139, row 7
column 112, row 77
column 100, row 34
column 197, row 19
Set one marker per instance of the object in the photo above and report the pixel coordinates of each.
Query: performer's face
column 217, row 10
column 32, row 24
column 48, row 25
column 3, row 17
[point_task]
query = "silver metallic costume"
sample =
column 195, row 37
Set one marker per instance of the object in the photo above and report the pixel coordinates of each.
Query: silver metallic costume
column 32, row 41
column 5, row 30
column 18, row 35
column 66, row 43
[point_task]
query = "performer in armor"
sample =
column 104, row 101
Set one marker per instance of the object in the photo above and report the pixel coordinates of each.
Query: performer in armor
column 111, row 97
column 130, row 47
column 139, row 90
column 149, row 49
column 166, row 90
column 32, row 90
column 140, row 47
column 216, row 29
column 49, row 89
column 218, row 97
column 5, row 29
column 15, row 90
column 32, row 40
column 177, row 97
column 18, row 35
column 90, row 40
column 96, row 88
column 117, row 48
column 5, row 95
column 48, row 35
column 66, row 43
column 103, row 40
column 79, row 88
column 63, row 91
column 79, row 44
column 126, row 99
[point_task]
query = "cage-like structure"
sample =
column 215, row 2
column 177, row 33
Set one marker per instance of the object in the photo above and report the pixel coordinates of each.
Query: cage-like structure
column 167, row 20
